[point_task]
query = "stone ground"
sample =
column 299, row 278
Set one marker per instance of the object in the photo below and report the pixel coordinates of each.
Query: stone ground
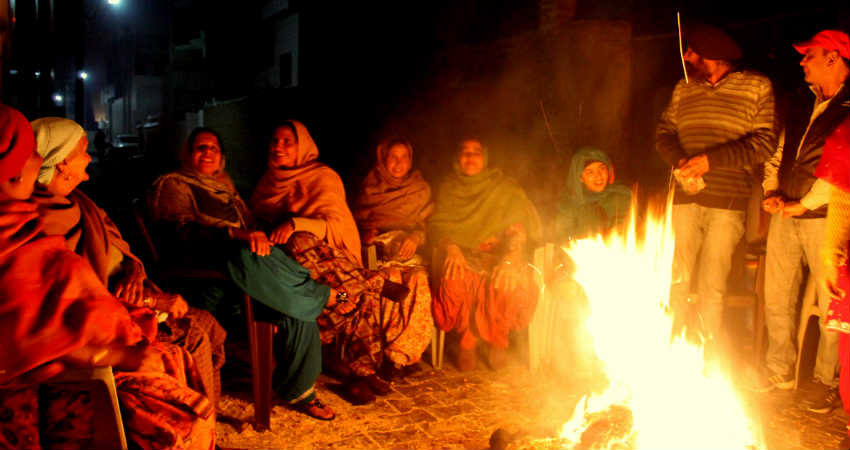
column 447, row 409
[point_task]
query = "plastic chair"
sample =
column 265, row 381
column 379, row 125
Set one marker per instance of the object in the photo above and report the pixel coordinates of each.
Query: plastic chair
column 260, row 334
column 542, row 322
column 809, row 309
column 99, row 381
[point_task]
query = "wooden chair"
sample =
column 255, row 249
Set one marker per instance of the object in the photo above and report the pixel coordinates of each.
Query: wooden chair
column 752, row 297
column 260, row 334
column 100, row 383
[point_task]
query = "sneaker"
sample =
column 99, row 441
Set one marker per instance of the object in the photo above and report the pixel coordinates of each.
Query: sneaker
column 824, row 400
column 773, row 381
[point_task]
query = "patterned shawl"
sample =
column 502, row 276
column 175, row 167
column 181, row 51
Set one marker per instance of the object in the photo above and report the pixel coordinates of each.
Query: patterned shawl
column 471, row 209
column 388, row 203
column 583, row 212
column 310, row 189
column 51, row 302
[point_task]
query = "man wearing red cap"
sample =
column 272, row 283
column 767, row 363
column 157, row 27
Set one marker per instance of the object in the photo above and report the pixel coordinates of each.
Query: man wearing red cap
column 798, row 202
column 719, row 123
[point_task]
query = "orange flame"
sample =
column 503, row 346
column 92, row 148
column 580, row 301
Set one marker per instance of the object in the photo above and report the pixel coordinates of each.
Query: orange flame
column 675, row 403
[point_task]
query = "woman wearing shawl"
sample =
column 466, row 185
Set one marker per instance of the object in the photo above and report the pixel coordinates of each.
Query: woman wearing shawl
column 88, row 231
column 834, row 168
column 203, row 222
column 484, row 224
column 593, row 203
column 391, row 209
column 303, row 202
column 56, row 314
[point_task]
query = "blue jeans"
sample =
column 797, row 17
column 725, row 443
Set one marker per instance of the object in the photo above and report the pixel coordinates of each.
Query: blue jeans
column 710, row 234
column 791, row 244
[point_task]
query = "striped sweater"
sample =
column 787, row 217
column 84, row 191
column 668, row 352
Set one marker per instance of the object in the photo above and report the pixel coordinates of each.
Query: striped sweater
column 732, row 122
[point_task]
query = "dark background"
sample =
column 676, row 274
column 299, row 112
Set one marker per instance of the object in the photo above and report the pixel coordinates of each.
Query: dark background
column 432, row 71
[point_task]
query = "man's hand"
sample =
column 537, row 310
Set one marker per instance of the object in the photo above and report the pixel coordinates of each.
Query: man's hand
column 695, row 166
column 773, row 203
column 455, row 263
column 793, row 209
column 281, row 234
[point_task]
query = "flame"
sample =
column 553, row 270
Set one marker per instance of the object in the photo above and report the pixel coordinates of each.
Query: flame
column 674, row 402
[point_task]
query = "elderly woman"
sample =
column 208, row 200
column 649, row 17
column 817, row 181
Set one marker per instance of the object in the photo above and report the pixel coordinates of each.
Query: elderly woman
column 303, row 202
column 391, row 209
column 593, row 203
column 55, row 313
column 483, row 224
column 205, row 223
column 89, row 232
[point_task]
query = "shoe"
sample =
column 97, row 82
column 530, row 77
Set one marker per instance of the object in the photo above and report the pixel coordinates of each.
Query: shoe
column 823, row 400
column 377, row 385
column 360, row 392
column 466, row 359
column 771, row 382
column 316, row 409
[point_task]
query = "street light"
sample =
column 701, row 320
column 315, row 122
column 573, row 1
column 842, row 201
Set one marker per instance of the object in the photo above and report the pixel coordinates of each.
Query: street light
column 113, row 2
column 57, row 98
column 83, row 75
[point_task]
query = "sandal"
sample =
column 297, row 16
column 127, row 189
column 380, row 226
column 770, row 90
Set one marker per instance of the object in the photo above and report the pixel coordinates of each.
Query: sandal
column 316, row 409
column 378, row 386
column 360, row 392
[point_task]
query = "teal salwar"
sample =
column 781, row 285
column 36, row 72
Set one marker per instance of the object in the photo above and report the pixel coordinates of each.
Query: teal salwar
column 281, row 284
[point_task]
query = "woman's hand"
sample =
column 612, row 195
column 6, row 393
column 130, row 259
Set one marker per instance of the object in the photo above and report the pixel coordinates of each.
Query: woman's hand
column 455, row 263
column 174, row 304
column 343, row 308
column 130, row 288
column 506, row 275
column 257, row 240
column 408, row 247
column 832, row 263
column 281, row 234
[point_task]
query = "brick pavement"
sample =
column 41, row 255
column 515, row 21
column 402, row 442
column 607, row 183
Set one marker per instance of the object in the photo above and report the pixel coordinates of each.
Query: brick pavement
column 447, row 409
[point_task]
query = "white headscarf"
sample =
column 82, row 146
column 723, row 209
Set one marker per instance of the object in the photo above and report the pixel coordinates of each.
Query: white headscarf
column 55, row 138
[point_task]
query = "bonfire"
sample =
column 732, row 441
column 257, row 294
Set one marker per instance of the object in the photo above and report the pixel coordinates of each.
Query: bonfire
column 659, row 393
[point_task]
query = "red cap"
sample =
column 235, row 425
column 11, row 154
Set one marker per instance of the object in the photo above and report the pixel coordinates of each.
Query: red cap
column 828, row 40
column 17, row 142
